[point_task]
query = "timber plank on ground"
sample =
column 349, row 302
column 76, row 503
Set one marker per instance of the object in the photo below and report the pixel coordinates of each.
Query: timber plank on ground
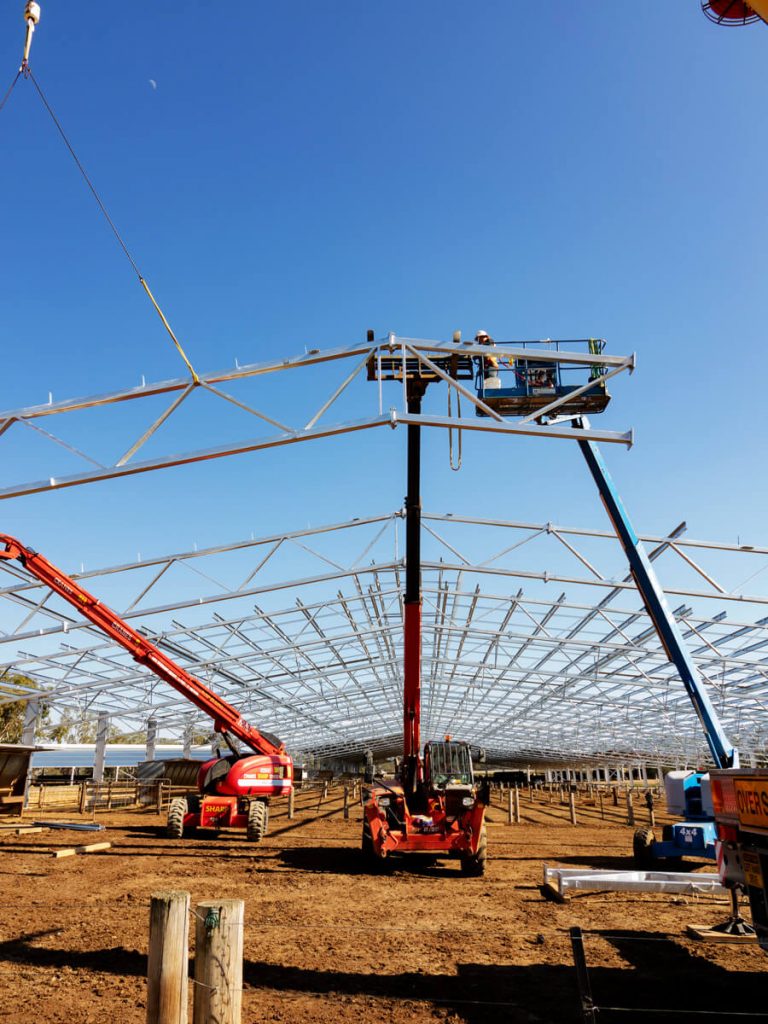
column 72, row 851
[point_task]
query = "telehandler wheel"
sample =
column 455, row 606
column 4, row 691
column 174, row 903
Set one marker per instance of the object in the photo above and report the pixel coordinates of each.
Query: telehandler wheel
column 473, row 864
column 372, row 863
column 366, row 844
column 258, row 819
column 174, row 827
column 642, row 842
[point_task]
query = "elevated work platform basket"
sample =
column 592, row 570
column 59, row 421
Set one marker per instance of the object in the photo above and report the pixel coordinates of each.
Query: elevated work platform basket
column 524, row 387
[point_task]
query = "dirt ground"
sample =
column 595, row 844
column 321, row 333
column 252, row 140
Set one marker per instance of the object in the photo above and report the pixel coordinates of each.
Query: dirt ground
column 326, row 942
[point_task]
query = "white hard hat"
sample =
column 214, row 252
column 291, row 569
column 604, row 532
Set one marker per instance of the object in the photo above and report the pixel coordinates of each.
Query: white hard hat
column 482, row 334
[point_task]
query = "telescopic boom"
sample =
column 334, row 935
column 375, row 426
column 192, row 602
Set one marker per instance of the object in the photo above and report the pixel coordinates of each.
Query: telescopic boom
column 226, row 719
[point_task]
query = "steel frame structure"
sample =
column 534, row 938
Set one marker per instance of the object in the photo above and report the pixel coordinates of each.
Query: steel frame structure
column 310, row 646
column 80, row 423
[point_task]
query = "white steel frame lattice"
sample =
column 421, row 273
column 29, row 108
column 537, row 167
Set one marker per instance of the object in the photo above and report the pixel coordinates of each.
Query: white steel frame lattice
column 528, row 676
column 184, row 391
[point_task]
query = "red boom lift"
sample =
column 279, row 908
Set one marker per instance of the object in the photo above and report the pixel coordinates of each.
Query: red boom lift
column 234, row 790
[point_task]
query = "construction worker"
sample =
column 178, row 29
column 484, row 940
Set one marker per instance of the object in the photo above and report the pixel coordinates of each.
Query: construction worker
column 490, row 363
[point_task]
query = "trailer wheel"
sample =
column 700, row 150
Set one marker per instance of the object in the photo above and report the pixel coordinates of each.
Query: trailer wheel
column 174, row 827
column 473, row 864
column 642, row 843
column 258, row 819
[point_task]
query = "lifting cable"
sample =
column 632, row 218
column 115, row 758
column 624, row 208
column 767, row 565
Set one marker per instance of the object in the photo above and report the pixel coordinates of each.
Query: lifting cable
column 457, row 465
column 32, row 17
column 10, row 89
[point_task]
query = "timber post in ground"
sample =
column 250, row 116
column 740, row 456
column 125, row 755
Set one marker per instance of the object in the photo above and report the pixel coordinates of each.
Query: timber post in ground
column 168, row 958
column 218, row 962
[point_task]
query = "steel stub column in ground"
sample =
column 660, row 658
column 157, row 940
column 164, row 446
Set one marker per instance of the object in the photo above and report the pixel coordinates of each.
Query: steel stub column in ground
column 723, row 751
column 412, row 602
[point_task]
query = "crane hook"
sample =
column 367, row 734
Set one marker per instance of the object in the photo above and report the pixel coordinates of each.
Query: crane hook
column 32, row 18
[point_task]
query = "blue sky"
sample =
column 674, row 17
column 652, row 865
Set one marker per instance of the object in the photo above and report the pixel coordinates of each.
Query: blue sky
column 304, row 171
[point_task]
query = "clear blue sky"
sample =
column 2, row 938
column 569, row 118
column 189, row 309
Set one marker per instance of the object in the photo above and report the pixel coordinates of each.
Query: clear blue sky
column 303, row 171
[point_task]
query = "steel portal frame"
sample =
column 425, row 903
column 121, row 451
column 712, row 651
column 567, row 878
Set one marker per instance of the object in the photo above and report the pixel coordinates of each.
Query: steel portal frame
column 84, row 433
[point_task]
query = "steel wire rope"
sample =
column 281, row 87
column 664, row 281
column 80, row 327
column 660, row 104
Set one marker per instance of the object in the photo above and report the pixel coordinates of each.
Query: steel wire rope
column 10, row 90
column 27, row 71
column 457, row 466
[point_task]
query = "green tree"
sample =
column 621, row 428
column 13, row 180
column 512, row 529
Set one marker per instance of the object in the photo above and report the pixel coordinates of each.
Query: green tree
column 12, row 714
column 71, row 728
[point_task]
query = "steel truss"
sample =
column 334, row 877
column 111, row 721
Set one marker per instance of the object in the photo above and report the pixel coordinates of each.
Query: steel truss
column 309, row 646
column 63, row 435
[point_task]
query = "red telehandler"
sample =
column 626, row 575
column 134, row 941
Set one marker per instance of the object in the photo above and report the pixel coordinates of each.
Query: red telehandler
column 234, row 790
column 434, row 807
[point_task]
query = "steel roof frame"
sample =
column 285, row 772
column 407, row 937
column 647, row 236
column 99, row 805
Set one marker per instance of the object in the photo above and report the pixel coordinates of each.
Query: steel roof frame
column 527, row 675
column 185, row 390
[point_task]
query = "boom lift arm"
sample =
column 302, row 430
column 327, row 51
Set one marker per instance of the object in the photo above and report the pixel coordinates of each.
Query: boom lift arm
column 724, row 753
column 226, row 719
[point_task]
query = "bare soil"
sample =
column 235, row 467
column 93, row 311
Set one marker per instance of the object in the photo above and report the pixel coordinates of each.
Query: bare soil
column 326, row 942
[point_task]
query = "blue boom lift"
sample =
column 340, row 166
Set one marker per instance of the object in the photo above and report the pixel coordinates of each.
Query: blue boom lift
column 687, row 792
column 526, row 387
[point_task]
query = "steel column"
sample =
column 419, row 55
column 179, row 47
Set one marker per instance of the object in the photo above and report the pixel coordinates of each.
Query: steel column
column 412, row 601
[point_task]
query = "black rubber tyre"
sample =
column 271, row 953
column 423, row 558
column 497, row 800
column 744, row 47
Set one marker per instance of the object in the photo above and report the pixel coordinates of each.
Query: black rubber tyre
column 372, row 863
column 366, row 844
column 642, row 841
column 473, row 864
column 258, row 820
column 174, row 827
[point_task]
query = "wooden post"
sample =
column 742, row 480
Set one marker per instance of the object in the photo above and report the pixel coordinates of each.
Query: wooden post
column 218, row 962
column 323, row 795
column 346, row 802
column 83, row 797
column 159, row 796
column 630, row 809
column 615, row 792
column 649, row 803
column 517, row 805
column 572, row 806
column 291, row 804
column 510, row 807
column 168, row 958
column 602, row 811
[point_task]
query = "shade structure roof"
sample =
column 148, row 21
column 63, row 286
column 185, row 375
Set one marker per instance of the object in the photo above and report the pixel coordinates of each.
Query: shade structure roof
column 534, row 665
